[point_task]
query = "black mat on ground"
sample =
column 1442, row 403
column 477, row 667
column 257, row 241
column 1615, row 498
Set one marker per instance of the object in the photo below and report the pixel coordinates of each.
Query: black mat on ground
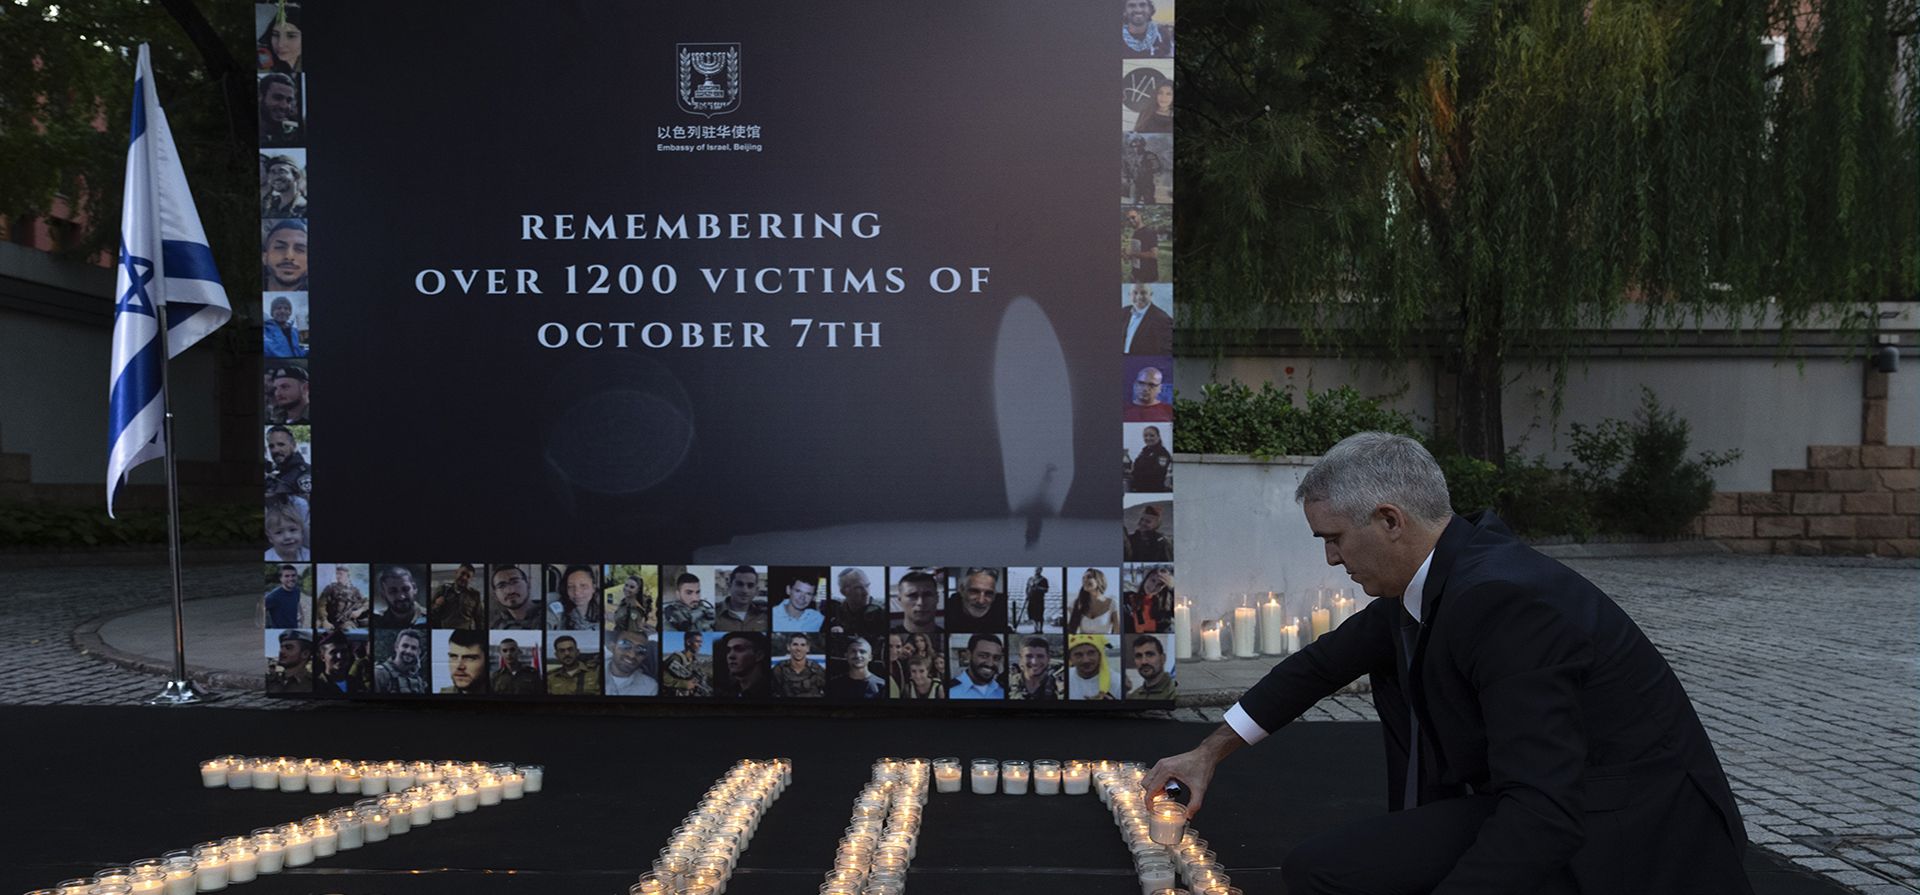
column 96, row 787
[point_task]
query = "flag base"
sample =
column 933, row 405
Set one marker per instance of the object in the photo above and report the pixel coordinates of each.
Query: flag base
column 182, row 692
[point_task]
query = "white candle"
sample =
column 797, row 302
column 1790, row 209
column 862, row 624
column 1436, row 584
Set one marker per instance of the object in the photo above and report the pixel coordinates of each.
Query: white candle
column 242, row 865
column 1290, row 636
column 1046, row 779
column 444, row 804
column 321, row 778
column 1156, row 877
column 1166, row 821
column 299, row 850
column 181, row 879
column 148, row 883
column 1013, row 778
column 269, row 855
column 1210, row 642
column 513, row 786
column 348, row 782
column 536, row 776
column 326, row 841
column 239, row 776
column 466, row 800
column 946, row 779
column 1322, row 620
column 1273, row 639
column 400, row 820
column 426, row 811
column 374, row 829
column 1075, row 780
column 1342, row 609
column 353, row 834
column 1183, row 629
column 986, row 777
column 213, row 774
column 265, row 775
column 293, row 778
column 1244, row 625
column 210, row 873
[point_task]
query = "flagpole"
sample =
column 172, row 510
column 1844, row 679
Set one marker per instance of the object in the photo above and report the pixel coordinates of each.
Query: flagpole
column 180, row 690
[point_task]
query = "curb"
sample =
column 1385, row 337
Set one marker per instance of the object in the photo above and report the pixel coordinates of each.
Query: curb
column 86, row 639
column 1632, row 549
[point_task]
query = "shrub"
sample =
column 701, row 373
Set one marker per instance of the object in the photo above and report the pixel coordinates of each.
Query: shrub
column 1639, row 474
column 53, row 525
column 1232, row 418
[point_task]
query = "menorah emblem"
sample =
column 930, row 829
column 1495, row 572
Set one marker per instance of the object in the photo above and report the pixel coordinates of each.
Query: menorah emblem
column 709, row 78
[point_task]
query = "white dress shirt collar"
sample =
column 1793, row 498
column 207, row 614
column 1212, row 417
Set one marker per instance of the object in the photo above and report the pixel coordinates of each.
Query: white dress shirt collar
column 1416, row 589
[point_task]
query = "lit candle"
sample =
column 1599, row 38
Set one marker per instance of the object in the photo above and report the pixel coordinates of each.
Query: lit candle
column 293, row 777
column 299, row 848
column 209, row 871
column 213, row 773
column 270, row 853
column 1183, row 629
column 326, row 839
column 536, row 776
column 348, row 780
column 320, row 776
column 149, row 882
column 1342, row 609
column 1290, row 636
column 946, row 775
column 1322, row 621
column 490, row 790
column 1244, row 626
column 400, row 818
column 1075, row 778
column 1273, row 639
column 426, row 808
column 1046, row 777
column 242, row 864
column 986, row 776
column 266, row 774
column 513, row 785
column 444, row 804
column 181, row 876
column 353, row 831
column 466, row 799
column 1210, row 641
column 1156, row 876
column 373, row 826
column 1013, row 778
column 1166, row 821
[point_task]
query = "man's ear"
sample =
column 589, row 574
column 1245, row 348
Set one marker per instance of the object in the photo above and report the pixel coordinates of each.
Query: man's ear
column 1393, row 520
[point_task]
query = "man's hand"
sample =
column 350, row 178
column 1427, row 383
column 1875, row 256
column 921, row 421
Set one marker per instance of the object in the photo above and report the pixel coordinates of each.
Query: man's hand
column 1194, row 769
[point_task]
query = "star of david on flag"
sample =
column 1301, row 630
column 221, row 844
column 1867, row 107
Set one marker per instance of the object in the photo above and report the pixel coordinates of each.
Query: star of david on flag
column 166, row 273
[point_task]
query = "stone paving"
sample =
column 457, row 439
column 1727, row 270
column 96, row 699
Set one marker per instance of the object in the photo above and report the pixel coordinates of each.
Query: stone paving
column 1805, row 671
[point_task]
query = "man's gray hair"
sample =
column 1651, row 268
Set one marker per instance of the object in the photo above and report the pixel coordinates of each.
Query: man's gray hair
column 1366, row 470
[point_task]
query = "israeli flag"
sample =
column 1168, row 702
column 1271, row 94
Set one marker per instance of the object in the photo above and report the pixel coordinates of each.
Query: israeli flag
column 164, row 263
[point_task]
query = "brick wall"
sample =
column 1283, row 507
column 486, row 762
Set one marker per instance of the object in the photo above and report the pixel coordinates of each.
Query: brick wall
column 1851, row 500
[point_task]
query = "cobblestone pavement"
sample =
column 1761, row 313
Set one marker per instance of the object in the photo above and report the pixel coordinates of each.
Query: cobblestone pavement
column 41, row 607
column 1805, row 671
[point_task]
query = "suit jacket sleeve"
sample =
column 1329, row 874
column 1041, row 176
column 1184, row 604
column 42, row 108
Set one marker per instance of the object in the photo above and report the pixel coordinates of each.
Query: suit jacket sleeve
column 1363, row 645
column 1527, row 663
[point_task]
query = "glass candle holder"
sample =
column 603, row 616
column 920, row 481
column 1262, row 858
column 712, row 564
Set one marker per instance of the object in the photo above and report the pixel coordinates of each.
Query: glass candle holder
column 535, row 776
column 266, row 774
column 946, row 775
column 299, row 847
column 147, row 882
column 489, row 789
column 293, row 776
column 1166, row 821
column 513, row 785
column 1046, row 777
column 209, row 871
column 213, row 773
column 326, row 837
column 180, row 876
column 1015, row 775
column 1075, row 778
column 466, row 798
column 986, row 776
column 243, row 863
column 1154, row 876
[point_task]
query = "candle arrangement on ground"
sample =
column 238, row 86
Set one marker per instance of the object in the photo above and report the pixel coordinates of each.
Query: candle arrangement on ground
column 701, row 854
column 411, row 791
column 1165, row 850
column 884, row 834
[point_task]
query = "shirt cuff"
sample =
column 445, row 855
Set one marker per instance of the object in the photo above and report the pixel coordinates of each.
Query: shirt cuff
column 1243, row 724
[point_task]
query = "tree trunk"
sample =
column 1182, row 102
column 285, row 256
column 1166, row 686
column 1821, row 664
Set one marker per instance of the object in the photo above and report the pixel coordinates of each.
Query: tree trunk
column 1478, row 428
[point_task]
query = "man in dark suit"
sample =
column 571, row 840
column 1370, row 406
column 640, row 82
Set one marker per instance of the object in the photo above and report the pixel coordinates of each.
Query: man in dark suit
column 1554, row 750
column 1149, row 329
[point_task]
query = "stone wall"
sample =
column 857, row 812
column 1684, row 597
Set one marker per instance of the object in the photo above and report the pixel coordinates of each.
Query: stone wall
column 1850, row 500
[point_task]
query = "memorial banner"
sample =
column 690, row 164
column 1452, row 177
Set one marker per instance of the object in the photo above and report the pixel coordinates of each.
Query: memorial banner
column 782, row 333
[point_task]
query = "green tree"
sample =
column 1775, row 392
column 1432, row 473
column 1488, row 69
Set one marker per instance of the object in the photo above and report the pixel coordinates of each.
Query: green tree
column 66, row 92
column 1480, row 180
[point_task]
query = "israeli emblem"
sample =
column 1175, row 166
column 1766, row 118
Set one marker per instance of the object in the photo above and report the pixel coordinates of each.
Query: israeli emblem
column 709, row 78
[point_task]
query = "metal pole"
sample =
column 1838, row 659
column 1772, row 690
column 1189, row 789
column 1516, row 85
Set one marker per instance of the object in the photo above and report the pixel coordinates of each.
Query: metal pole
column 180, row 690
